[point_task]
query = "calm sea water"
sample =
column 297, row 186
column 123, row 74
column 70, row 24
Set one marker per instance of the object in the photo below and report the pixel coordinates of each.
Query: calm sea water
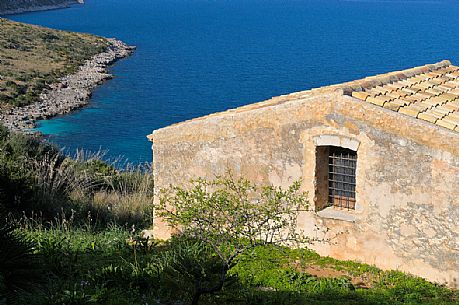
column 196, row 57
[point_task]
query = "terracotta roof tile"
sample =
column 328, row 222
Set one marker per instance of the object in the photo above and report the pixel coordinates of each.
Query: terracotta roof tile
column 446, row 124
column 451, row 119
column 397, row 94
column 391, row 87
column 425, row 85
column 373, row 92
column 433, row 101
column 418, row 87
column 449, row 96
column 437, row 81
column 428, row 117
column 380, row 89
column 442, row 109
column 409, row 111
column 451, row 68
column 376, row 100
column 430, row 83
column 400, row 102
column 362, row 95
column 436, row 74
column 438, row 113
column 454, row 115
column 449, row 85
column 440, row 99
column 451, row 76
column 429, row 93
column 434, row 91
column 421, row 107
column 410, row 90
column 420, row 96
column 431, row 74
column 435, row 114
column 411, row 99
column 404, row 83
column 392, row 106
column 444, row 87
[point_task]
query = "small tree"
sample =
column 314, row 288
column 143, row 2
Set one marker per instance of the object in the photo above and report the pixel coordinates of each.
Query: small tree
column 233, row 217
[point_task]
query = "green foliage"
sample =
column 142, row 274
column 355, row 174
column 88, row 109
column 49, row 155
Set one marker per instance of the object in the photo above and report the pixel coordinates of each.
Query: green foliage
column 18, row 268
column 77, row 261
column 187, row 265
column 78, row 223
column 232, row 217
column 270, row 267
column 279, row 269
column 112, row 267
column 407, row 289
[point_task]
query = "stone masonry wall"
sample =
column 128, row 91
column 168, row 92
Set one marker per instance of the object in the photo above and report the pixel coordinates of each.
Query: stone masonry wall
column 407, row 192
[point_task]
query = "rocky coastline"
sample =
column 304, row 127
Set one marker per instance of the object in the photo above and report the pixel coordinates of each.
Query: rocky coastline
column 70, row 92
column 33, row 6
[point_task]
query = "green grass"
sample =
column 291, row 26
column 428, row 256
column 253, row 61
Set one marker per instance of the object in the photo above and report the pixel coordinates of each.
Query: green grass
column 86, row 266
column 82, row 217
column 32, row 57
column 278, row 271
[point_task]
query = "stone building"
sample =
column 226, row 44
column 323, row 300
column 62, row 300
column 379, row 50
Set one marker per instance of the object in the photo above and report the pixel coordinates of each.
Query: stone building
column 379, row 158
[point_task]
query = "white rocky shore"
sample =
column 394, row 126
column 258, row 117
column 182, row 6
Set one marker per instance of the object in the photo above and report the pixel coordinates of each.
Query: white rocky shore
column 71, row 92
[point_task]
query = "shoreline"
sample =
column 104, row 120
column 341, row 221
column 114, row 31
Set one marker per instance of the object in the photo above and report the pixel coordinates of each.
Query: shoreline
column 39, row 8
column 71, row 92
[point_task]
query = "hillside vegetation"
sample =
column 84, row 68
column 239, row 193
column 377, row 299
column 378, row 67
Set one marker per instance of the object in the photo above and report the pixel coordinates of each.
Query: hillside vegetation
column 33, row 57
column 70, row 233
column 71, row 229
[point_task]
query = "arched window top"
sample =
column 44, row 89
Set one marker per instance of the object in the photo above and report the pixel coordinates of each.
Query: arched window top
column 337, row 141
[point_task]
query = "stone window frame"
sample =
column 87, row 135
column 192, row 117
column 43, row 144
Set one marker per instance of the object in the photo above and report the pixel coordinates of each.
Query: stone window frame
column 327, row 140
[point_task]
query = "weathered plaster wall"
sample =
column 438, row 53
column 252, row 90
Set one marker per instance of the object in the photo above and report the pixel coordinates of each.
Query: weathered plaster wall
column 407, row 214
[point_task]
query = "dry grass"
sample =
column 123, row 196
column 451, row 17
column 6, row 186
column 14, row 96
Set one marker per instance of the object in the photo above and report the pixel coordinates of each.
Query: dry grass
column 129, row 195
column 32, row 57
column 87, row 183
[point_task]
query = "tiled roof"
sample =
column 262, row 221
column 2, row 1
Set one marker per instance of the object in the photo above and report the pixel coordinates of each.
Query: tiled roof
column 429, row 93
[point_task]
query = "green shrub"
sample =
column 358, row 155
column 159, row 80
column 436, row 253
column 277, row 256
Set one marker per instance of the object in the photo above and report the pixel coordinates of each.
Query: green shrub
column 19, row 271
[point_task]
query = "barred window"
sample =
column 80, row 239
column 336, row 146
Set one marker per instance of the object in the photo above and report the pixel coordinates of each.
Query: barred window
column 341, row 177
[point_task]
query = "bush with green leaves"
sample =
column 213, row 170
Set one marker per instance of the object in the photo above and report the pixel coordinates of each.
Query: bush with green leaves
column 231, row 217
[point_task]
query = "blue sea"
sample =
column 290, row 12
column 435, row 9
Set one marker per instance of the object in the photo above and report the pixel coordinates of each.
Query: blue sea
column 195, row 57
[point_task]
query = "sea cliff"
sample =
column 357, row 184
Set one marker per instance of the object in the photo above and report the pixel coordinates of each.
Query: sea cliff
column 8, row 7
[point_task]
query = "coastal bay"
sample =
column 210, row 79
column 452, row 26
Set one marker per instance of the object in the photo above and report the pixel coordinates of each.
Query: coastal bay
column 71, row 92
column 46, row 72
column 87, row 218
column 198, row 57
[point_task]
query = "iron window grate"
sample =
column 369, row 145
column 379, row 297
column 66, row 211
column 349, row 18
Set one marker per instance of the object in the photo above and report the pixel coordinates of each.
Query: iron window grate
column 341, row 177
